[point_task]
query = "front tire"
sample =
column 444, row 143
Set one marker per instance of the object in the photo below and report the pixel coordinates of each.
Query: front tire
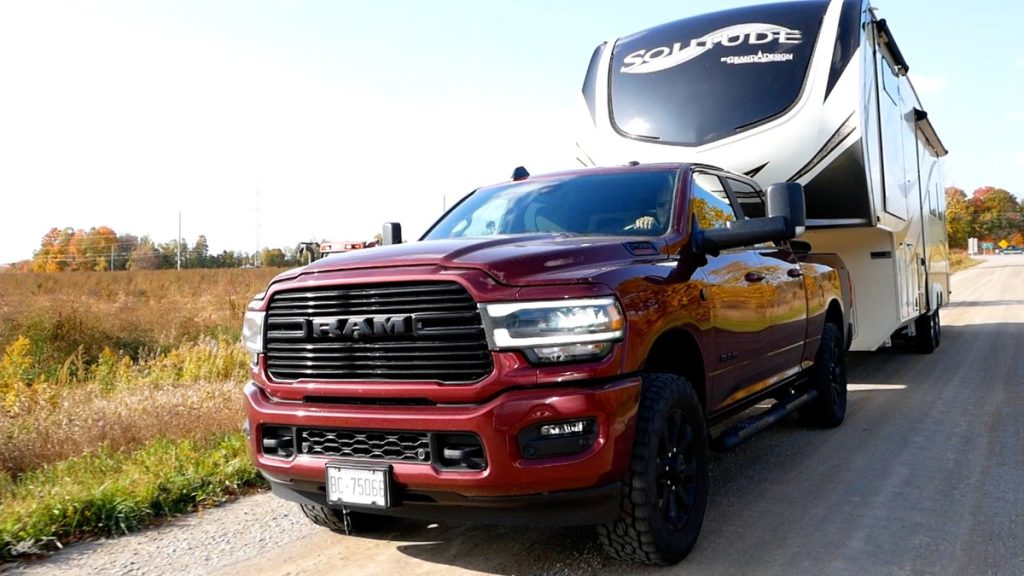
column 828, row 377
column 665, row 491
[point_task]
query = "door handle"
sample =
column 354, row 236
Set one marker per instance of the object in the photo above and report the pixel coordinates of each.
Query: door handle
column 794, row 272
column 753, row 277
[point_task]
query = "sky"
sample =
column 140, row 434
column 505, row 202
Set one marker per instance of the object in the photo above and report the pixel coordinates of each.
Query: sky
column 263, row 124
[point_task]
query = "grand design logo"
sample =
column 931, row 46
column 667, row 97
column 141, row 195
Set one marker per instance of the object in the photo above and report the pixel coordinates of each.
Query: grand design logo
column 752, row 34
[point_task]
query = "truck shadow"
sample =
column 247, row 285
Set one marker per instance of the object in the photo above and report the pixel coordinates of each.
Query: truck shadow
column 758, row 473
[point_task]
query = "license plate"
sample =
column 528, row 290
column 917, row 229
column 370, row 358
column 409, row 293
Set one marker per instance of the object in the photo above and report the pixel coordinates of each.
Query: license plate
column 357, row 485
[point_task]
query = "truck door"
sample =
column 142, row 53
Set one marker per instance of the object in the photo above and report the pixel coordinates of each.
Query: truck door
column 784, row 291
column 736, row 294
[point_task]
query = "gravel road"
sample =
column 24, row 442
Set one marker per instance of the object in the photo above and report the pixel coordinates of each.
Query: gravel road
column 925, row 477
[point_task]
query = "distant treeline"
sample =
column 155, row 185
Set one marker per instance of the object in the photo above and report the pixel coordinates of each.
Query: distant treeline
column 990, row 214
column 102, row 249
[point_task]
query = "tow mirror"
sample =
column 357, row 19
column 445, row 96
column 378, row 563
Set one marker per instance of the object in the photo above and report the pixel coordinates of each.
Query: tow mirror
column 786, row 220
column 786, row 199
column 392, row 234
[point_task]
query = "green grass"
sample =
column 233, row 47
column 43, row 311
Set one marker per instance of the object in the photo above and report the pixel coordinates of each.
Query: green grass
column 106, row 492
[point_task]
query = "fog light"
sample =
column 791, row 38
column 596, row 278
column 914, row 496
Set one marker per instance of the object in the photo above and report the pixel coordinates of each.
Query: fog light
column 563, row 428
column 558, row 438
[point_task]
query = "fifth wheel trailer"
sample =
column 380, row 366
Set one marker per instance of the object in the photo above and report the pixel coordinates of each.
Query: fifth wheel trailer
column 814, row 92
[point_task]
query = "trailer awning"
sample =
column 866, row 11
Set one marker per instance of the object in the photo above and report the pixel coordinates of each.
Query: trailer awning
column 928, row 132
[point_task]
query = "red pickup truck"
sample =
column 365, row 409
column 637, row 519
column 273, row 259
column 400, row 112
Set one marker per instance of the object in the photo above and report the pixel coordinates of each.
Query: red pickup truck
column 556, row 349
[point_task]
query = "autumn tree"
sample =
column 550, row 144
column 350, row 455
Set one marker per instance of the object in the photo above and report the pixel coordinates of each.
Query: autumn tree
column 145, row 256
column 200, row 253
column 227, row 259
column 998, row 213
column 169, row 254
column 52, row 255
column 126, row 245
column 273, row 257
column 959, row 217
column 95, row 249
column 101, row 249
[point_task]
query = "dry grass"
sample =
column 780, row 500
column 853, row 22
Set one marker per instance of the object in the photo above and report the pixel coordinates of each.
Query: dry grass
column 120, row 399
column 134, row 313
column 959, row 260
column 59, row 423
column 91, row 359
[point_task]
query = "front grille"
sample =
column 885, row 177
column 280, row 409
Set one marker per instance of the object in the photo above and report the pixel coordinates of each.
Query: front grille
column 370, row 445
column 399, row 331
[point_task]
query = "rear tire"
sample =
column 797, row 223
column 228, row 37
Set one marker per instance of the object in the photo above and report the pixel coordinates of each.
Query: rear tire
column 828, row 377
column 334, row 520
column 928, row 332
column 665, row 491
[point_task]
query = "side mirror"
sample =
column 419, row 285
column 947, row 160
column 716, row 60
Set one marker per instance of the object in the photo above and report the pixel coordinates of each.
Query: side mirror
column 787, row 219
column 392, row 234
column 739, row 233
column 787, row 200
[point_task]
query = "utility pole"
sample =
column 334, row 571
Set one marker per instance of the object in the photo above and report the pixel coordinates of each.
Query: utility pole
column 179, row 240
column 256, row 258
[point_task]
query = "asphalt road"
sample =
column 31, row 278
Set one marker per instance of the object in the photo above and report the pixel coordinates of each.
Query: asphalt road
column 926, row 476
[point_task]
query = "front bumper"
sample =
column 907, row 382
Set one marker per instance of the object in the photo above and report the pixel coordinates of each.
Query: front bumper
column 580, row 488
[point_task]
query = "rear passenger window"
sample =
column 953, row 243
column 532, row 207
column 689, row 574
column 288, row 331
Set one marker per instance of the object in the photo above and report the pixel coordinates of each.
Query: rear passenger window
column 710, row 202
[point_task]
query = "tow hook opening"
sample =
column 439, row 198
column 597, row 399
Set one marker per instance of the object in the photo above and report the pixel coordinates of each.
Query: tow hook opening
column 460, row 452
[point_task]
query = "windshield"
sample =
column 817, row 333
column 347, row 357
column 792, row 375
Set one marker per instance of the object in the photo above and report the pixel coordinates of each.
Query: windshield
column 708, row 77
column 619, row 203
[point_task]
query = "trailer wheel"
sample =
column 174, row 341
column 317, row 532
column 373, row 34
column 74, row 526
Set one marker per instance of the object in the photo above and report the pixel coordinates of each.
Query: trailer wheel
column 665, row 491
column 828, row 377
column 334, row 520
column 928, row 331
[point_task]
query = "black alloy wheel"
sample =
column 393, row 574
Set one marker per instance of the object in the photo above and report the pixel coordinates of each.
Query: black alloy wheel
column 677, row 471
column 666, row 488
column 828, row 377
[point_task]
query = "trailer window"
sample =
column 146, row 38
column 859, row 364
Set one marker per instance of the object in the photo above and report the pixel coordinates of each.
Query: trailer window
column 705, row 78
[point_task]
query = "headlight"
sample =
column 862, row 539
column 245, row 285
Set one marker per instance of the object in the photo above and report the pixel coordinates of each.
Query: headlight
column 555, row 331
column 252, row 331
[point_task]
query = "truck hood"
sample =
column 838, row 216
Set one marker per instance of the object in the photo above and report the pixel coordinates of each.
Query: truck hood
column 512, row 260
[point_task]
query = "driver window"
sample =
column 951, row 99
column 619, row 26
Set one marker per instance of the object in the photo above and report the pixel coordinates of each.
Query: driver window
column 710, row 202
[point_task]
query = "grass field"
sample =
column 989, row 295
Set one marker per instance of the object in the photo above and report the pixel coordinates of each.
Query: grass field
column 959, row 260
column 120, row 399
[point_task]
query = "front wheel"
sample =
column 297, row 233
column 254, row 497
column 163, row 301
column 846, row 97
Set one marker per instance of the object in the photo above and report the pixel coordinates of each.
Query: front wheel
column 666, row 489
column 828, row 377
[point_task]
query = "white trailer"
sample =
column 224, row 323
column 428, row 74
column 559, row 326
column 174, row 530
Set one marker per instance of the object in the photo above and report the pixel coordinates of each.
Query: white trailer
column 814, row 92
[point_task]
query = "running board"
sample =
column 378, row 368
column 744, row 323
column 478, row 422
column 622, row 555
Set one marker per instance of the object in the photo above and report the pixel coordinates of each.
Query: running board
column 744, row 429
